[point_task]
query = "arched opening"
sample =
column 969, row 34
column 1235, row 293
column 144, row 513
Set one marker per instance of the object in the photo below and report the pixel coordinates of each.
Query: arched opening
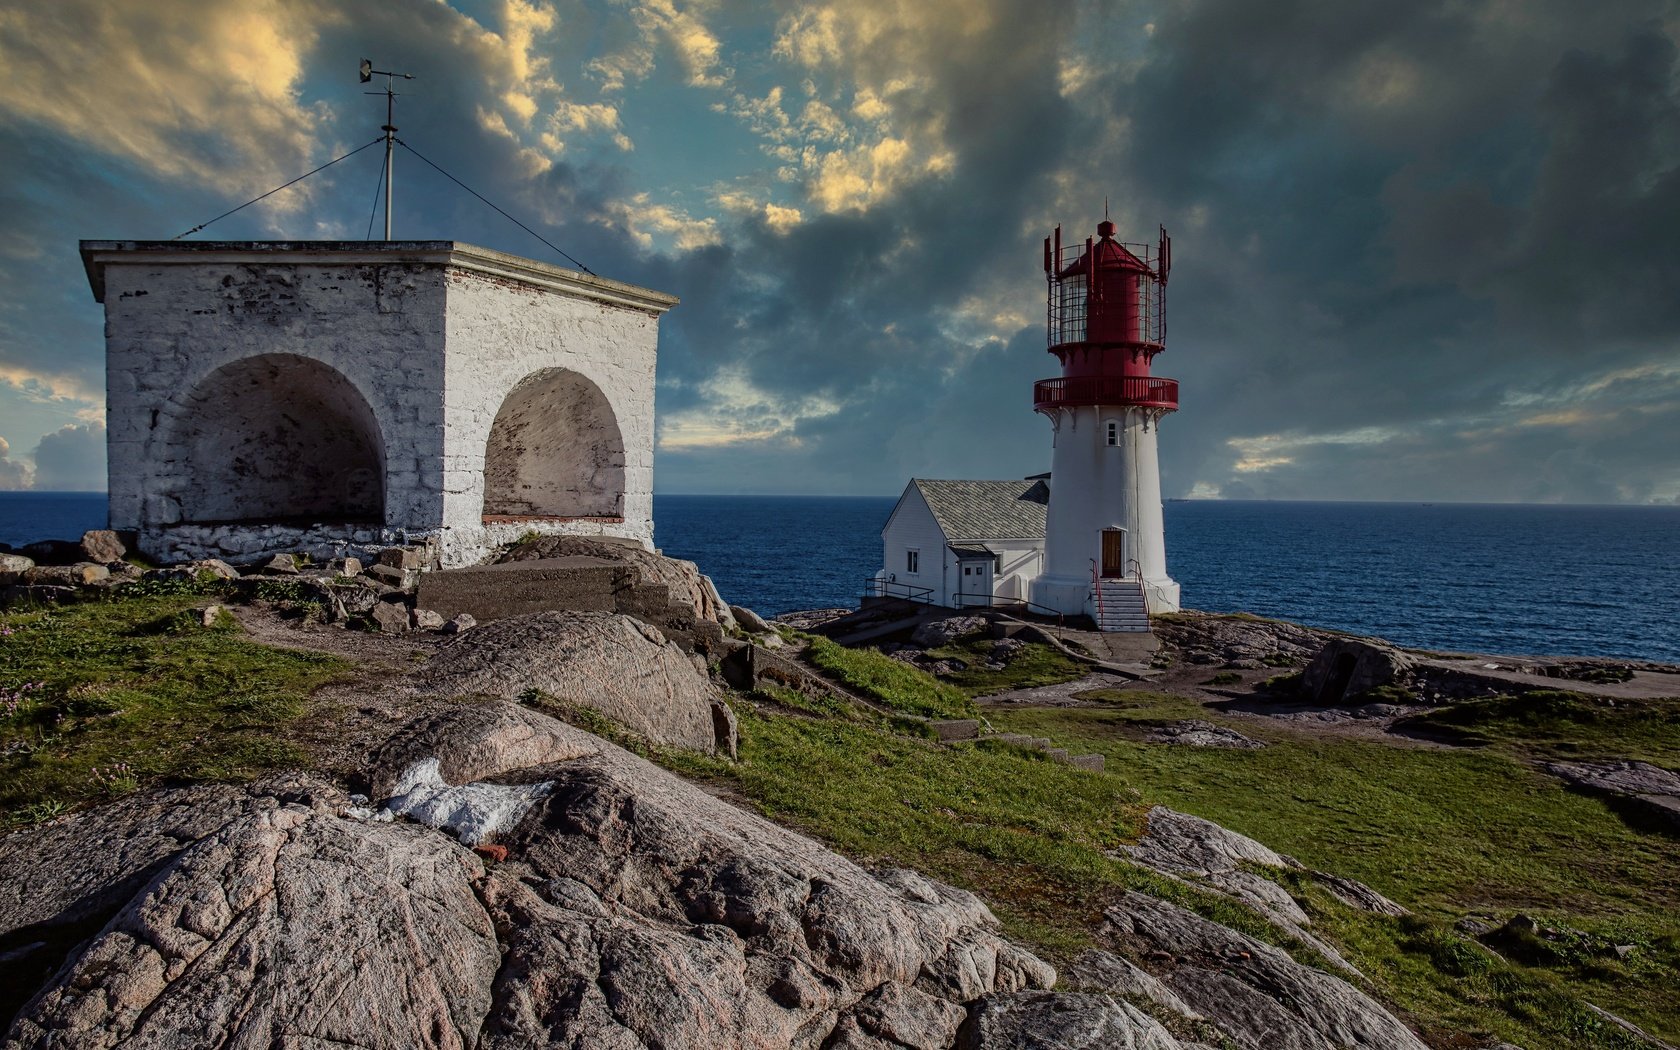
column 277, row 439
column 554, row 451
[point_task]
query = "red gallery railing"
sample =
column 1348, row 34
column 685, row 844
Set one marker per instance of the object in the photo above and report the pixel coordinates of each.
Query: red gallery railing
column 1142, row 391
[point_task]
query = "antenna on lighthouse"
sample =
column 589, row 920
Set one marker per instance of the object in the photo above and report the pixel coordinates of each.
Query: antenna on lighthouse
column 390, row 128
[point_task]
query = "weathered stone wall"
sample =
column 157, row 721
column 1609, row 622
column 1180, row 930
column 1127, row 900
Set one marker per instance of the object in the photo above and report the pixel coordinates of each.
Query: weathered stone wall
column 172, row 329
column 275, row 437
column 341, row 397
column 569, row 349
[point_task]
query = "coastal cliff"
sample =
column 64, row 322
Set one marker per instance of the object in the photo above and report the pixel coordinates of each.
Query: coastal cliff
column 236, row 822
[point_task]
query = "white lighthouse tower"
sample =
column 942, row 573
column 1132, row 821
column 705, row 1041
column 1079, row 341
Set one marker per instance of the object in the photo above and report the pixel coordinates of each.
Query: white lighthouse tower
column 1104, row 547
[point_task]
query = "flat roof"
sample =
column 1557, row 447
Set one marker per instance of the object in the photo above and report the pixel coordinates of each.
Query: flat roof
column 96, row 255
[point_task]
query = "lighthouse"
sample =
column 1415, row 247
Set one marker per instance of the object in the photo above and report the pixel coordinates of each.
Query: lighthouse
column 1105, row 552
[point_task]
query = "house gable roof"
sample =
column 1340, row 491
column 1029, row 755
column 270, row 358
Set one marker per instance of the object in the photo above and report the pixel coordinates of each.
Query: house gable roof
column 987, row 510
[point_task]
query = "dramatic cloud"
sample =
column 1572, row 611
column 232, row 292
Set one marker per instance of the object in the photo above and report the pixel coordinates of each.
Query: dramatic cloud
column 13, row 475
column 71, row 459
column 1424, row 250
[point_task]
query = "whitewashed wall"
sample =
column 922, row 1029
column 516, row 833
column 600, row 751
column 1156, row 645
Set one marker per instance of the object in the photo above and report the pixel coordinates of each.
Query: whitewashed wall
column 913, row 526
column 507, row 331
column 430, row 335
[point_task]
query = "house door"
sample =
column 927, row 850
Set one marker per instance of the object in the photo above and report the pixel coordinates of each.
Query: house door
column 1113, row 553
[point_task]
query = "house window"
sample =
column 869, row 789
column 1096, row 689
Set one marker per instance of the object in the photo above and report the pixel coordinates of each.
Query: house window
column 1113, row 433
column 912, row 560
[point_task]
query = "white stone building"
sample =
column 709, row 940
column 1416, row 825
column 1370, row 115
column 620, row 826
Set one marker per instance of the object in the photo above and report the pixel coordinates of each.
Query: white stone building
column 964, row 543
column 338, row 397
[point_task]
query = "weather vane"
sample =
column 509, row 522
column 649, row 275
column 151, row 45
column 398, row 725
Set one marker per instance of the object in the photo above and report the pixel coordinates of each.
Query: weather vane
column 368, row 73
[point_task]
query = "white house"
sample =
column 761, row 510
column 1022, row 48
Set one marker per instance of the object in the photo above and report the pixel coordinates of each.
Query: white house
column 964, row 543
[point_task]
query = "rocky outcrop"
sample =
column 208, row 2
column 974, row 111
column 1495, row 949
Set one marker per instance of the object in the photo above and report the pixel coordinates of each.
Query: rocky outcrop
column 103, row 546
column 1097, row 970
column 1652, row 791
column 287, row 926
column 1064, row 1021
column 617, row 665
column 637, row 910
column 938, row 633
column 60, row 882
column 1237, row 641
column 12, row 568
column 81, row 574
column 750, row 621
column 1194, row 732
column 1348, row 667
column 627, row 908
column 1358, row 895
column 1201, row 852
column 1258, row 996
column 620, row 907
column 208, row 568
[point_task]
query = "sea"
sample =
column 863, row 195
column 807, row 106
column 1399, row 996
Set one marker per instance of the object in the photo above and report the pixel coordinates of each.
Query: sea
column 1508, row 579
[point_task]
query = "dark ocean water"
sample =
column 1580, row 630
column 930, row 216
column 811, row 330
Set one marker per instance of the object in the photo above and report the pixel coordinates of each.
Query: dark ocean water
column 1592, row 581
column 1498, row 578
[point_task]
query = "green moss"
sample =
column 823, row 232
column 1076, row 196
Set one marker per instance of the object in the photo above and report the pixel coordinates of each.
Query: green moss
column 796, row 700
column 1561, row 724
column 1032, row 665
column 1382, row 694
column 138, row 689
column 1224, row 678
column 898, row 685
column 1026, row 833
column 1446, row 832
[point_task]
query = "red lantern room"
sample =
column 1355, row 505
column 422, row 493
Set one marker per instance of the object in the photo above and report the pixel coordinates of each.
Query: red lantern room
column 1107, row 321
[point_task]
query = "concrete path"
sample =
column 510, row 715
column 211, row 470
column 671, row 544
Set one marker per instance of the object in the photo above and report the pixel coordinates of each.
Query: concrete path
column 1644, row 685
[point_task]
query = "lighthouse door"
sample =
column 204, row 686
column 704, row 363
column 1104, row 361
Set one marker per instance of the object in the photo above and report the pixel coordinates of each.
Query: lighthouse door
column 1113, row 553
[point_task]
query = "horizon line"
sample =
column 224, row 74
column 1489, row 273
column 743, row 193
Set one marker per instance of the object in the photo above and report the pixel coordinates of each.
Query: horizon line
column 1167, row 499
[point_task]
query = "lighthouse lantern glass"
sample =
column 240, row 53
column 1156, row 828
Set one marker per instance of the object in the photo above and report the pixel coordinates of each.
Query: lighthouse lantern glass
column 1070, row 309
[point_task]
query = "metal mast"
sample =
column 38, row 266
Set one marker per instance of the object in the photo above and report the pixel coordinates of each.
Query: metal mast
column 390, row 128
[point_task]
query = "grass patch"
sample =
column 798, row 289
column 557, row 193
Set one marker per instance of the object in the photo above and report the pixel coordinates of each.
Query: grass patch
column 820, row 704
column 1597, row 675
column 1446, row 832
column 1282, row 684
column 901, row 687
column 1224, row 678
column 1032, row 665
column 1561, row 724
column 1388, row 693
column 1026, row 833
column 97, row 699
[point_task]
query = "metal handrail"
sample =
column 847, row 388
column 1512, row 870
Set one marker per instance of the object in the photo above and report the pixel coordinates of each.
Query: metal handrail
column 996, row 601
column 1147, row 391
column 884, row 589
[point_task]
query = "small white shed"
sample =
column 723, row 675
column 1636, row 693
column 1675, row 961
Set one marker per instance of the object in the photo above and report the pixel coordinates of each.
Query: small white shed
column 964, row 544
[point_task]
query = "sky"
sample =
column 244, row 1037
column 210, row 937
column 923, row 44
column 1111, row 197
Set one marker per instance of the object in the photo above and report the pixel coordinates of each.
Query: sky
column 1422, row 251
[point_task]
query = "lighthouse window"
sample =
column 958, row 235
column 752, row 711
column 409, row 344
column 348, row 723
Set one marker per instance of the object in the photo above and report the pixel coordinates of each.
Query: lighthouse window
column 911, row 561
column 1113, row 433
column 1071, row 323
